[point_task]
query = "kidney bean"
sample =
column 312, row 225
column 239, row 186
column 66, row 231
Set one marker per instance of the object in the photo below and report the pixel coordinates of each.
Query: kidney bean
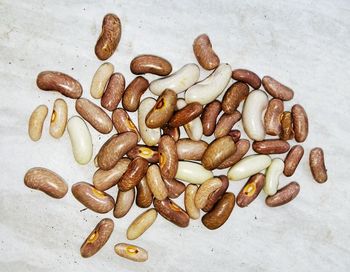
column 144, row 195
column 123, row 203
column 215, row 196
column 114, row 92
column 168, row 159
column 248, row 77
column 235, row 134
column 204, row 52
column 149, row 153
column 59, row 118
column 156, row 183
column 300, row 123
column 317, row 165
column 207, row 188
column 172, row 212
column 225, row 124
column 123, row 123
column 133, row 93
column 150, row 136
column 100, row 79
column 175, row 188
column 151, row 64
column 277, row 89
column 190, row 206
column 292, row 160
column 287, row 132
column 141, row 223
column 234, row 95
column 131, row 252
column 272, row 118
column 188, row 149
column 242, row 147
column 174, row 132
column 36, row 122
column 283, row 195
column 186, row 114
column 137, row 169
column 209, row 116
column 250, row 190
column 270, row 146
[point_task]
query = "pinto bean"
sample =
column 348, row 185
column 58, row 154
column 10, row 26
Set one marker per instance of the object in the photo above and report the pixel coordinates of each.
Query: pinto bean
column 114, row 92
column 144, row 64
column 204, row 52
column 283, row 195
column 168, row 159
column 248, row 77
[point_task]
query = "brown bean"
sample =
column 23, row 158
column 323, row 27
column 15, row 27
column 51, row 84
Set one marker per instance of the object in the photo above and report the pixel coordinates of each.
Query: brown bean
column 300, row 123
column 133, row 93
column 103, row 180
column 172, row 212
column 156, row 183
column 234, row 96
column 144, row 64
column 115, row 148
column 137, row 169
column 114, row 92
column 92, row 198
column 97, row 238
column 218, row 151
column 215, row 196
column 168, row 159
column 59, row 82
column 206, row 189
column 36, row 122
column 123, row 123
column 144, row 195
column 94, row 115
column 287, row 132
column 220, row 213
column 204, row 52
column 317, row 165
column 109, row 38
column 47, row 181
column 250, row 190
column 190, row 206
column 248, row 77
column 277, row 89
column 186, row 114
column 123, row 203
column 272, row 118
column 209, row 115
column 149, row 153
column 235, row 134
column 242, row 147
column 283, row 195
column 188, row 149
column 292, row 160
column 271, row 146
column 175, row 188
column 131, row 252
column 226, row 122
column 174, row 132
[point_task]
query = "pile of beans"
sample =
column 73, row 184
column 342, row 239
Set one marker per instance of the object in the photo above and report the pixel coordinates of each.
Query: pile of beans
column 158, row 168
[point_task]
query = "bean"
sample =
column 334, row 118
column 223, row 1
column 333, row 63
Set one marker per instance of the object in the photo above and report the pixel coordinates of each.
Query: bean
column 271, row 146
column 186, row 114
column 190, row 206
column 92, row 198
column 235, row 134
column 251, row 190
column 100, row 79
column 283, row 195
column 300, row 123
column 156, row 183
column 131, row 252
column 174, row 132
column 149, row 136
column 192, row 172
column 225, row 124
column 277, row 89
column 59, row 117
column 94, row 115
column 220, row 213
column 248, row 77
column 137, row 169
column 149, row 153
column 59, row 82
column 133, row 93
column 114, row 92
column 36, row 122
column 172, row 212
column 287, row 132
column 207, row 188
column 144, row 195
column 97, row 238
column 123, row 203
column 242, row 147
column 216, row 195
column 141, row 224
column 272, row 118
column 209, row 115
column 188, row 149
column 317, row 165
column 123, row 123
column 144, row 64
column 168, row 159
column 234, row 96
column 292, row 160
column 175, row 188
column 47, row 181
column 273, row 174
column 109, row 37
column 204, row 52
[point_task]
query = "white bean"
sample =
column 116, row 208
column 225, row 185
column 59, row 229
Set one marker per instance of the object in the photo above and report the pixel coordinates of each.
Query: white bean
column 273, row 174
column 149, row 136
column 58, row 118
column 36, row 122
column 192, row 172
column 100, row 79
column 194, row 129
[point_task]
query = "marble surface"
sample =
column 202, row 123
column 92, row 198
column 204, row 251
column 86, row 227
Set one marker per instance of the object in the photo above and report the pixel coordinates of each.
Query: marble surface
column 304, row 44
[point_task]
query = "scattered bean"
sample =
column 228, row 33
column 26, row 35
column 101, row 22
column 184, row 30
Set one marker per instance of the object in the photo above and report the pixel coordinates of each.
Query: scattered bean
column 287, row 132
column 235, row 134
column 283, row 195
column 242, row 147
column 204, row 52
column 174, row 132
column 172, row 212
column 216, row 195
column 168, row 159
column 133, row 93
column 186, row 114
column 131, row 252
column 144, row 64
column 100, row 79
column 271, row 146
column 234, row 96
column 194, row 128
column 277, row 89
column 59, row 118
column 114, row 92
column 149, row 153
column 300, row 123
column 292, row 160
column 317, row 165
column 141, row 224
column 175, row 188
column 248, row 77
column 36, row 122
column 207, row 188
column 251, row 190
column 150, row 136
column 137, row 169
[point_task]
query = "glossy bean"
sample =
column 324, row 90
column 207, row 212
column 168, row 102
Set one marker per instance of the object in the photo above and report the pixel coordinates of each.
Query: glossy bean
column 250, row 190
column 137, row 169
column 209, row 116
column 141, row 223
column 59, row 118
column 172, row 212
column 144, row 195
column 175, row 188
column 271, row 146
column 168, row 159
column 216, row 195
column 277, row 89
column 191, row 209
column 272, row 118
column 225, row 123
column 36, row 122
column 123, row 203
column 234, row 95
column 273, row 174
column 151, row 64
column 246, row 76
column 150, row 136
column 123, row 123
column 204, row 52
column 100, row 79
column 149, row 153
column 242, row 147
column 188, row 149
column 131, row 252
column 155, row 182
column 174, row 132
column 186, row 114
column 283, row 195
column 300, row 123
column 192, row 172
column 292, row 160
column 317, row 165
column 114, row 92
column 207, row 188
column 133, row 93
column 194, row 128
column 287, row 132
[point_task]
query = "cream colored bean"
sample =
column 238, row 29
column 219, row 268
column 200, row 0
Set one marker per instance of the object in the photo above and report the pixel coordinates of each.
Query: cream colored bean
column 252, row 116
column 141, row 224
column 272, row 176
column 59, row 118
column 208, row 187
column 248, row 166
column 36, row 122
column 192, row 172
column 80, row 138
column 123, row 203
column 210, row 88
column 131, row 252
column 190, row 206
column 194, row 129
column 156, row 183
column 150, row 136
column 100, row 79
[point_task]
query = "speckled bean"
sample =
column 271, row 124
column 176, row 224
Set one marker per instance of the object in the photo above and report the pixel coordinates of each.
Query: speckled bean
column 242, row 147
column 144, row 195
column 168, row 159
column 123, row 123
column 204, row 52
column 225, row 123
column 283, row 195
column 287, row 132
column 137, row 169
column 207, row 188
column 272, row 118
column 271, row 146
column 209, row 116
column 317, row 165
column 248, row 77
column 277, row 89
column 151, row 64
column 172, row 212
column 234, row 95
column 300, row 123
column 216, row 195
column 114, row 92
column 292, row 160
column 133, row 93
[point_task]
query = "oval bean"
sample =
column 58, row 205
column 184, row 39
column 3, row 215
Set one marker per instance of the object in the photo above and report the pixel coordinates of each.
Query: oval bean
column 270, row 146
column 242, row 147
column 133, row 93
column 188, row 149
column 216, row 195
column 277, row 89
column 172, row 212
column 272, row 118
column 174, row 132
column 317, row 165
column 149, row 153
column 234, row 96
column 292, row 160
column 151, row 64
column 100, row 79
column 141, row 224
column 207, row 188
column 283, row 195
column 287, row 132
column 175, row 188
column 186, row 114
column 190, row 206
column 204, row 52
column 156, row 183
column 114, row 92
column 150, row 136
column 192, row 172
column 194, row 128
column 137, row 169
column 131, row 252
column 123, row 123
column 123, row 203
column 226, row 122
column 168, row 159
column 144, row 195
column 248, row 77
column 251, row 190
column 59, row 118
column 300, row 123
column 273, row 174
column 209, row 115
column 36, row 122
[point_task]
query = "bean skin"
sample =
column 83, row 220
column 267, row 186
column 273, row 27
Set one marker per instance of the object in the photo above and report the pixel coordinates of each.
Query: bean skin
column 250, row 190
column 300, row 123
column 209, row 116
column 168, row 160
column 277, row 89
column 172, row 212
column 292, row 160
column 270, row 146
column 225, row 123
column 150, row 64
column 133, row 93
column 234, row 95
column 204, row 52
column 248, row 77
column 317, row 165
column 215, row 196
column 114, row 92
column 137, row 169
column 283, row 195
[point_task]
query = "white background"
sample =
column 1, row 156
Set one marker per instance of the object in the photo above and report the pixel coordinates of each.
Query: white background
column 304, row 44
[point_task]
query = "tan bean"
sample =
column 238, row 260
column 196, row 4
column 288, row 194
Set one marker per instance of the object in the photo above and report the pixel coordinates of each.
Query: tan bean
column 235, row 134
column 59, row 117
column 175, row 188
column 220, row 213
column 151, row 64
column 141, row 224
column 100, row 79
column 156, row 183
column 47, row 181
column 204, row 52
column 144, row 195
column 250, row 190
column 137, row 169
column 209, row 115
column 97, row 238
column 168, row 159
column 317, row 165
column 149, row 153
column 115, row 148
column 292, row 160
column 188, row 149
column 287, row 132
column 174, row 132
column 36, row 122
column 242, row 147
column 123, row 203
column 162, row 111
column 186, row 114
column 123, row 123
column 234, row 95
column 94, row 115
column 109, row 37
column 190, row 206
column 206, row 189
column 59, row 82
column 248, row 77
column 133, row 93
column 131, row 252
column 226, row 122
column 172, row 212
column 272, row 118
column 283, row 195
column 114, row 92
column 216, row 195
column 300, row 123
column 277, row 89
column 218, row 151
column 92, row 198
column 103, row 180
column 271, row 146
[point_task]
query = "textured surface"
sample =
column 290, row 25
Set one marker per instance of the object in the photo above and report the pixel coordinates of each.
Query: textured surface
column 304, row 44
